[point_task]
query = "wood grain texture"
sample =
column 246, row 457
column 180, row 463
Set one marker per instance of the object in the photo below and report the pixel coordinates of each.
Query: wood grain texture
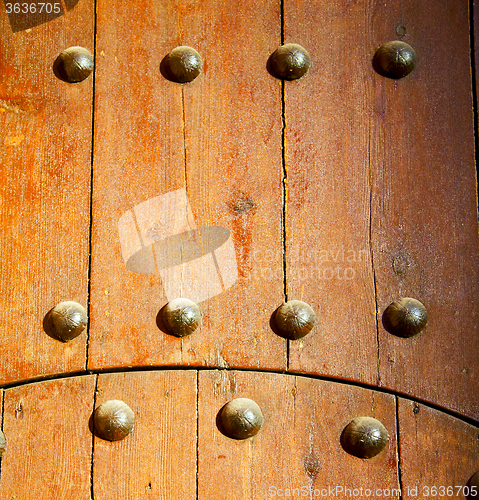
column 436, row 450
column 328, row 258
column 219, row 140
column 424, row 212
column 299, row 444
column 45, row 154
column 158, row 459
column 49, row 443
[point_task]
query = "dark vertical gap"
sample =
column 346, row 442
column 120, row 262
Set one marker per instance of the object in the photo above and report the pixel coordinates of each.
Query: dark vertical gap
column 197, row 431
column 371, row 252
column 92, row 494
column 474, row 90
column 3, row 418
column 285, row 178
column 398, row 445
column 90, row 231
column 184, row 137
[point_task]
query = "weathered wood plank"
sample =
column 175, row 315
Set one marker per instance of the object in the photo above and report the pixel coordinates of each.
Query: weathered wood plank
column 214, row 143
column 328, row 259
column 424, row 212
column 298, row 447
column 158, row 459
column 45, row 128
column 139, row 154
column 233, row 169
column 49, row 443
column 439, row 453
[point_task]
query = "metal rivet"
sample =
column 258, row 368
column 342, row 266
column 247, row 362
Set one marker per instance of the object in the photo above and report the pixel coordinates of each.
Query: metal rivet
column 473, row 487
column 294, row 319
column 364, row 437
column 66, row 321
column 183, row 64
column 3, row 443
column 73, row 65
column 405, row 317
column 395, row 59
column 181, row 317
column 241, row 418
column 114, row 420
column 290, row 61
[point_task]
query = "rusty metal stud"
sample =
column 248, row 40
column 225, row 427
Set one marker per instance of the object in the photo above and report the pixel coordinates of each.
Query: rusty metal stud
column 3, row 443
column 73, row 65
column 364, row 437
column 182, row 317
column 405, row 317
column 113, row 420
column 66, row 320
column 395, row 59
column 290, row 61
column 294, row 319
column 241, row 418
column 184, row 64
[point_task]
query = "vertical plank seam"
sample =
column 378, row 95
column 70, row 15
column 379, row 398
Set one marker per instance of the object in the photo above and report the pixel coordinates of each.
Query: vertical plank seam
column 3, row 419
column 92, row 492
column 472, row 41
column 197, row 431
column 398, row 448
column 376, row 311
column 285, row 178
column 184, row 136
column 90, row 230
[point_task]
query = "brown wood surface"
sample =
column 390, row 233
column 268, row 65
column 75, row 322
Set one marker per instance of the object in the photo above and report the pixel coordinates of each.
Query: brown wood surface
column 299, row 444
column 158, row 459
column 49, row 444
column 45, row 153
column 436, row 450
column 219, row 138
column 379, row 187
column 424, row 212
column 358, row 143
column 328, row 189
column 177, row 451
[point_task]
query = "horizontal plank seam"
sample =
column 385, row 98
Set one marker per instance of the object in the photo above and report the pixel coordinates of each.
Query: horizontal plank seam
column 136, row 369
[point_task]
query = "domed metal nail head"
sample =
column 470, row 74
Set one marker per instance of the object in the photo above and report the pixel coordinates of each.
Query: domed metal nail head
column 182, row 317
column 241, row 418
column 290, row 61
column 67, row 320
column 364, row 437
column 113, row 420
column 295, row 319
column 3, row 443
column 405, row 317
column 395, row 59
column 184, row 64
column 73, row 65
column 472, row 487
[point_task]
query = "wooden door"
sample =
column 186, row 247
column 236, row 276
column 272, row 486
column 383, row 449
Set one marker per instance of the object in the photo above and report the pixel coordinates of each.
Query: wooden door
column 238, row 190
